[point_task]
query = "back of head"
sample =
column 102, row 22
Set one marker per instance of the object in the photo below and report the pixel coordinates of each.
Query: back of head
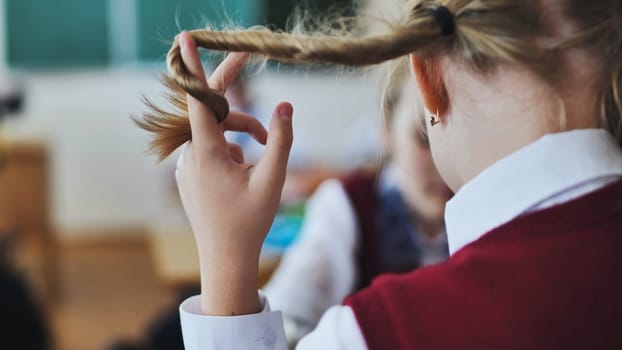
column 480, row 35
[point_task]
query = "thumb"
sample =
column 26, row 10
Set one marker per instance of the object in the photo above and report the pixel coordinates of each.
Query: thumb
column 271, row 169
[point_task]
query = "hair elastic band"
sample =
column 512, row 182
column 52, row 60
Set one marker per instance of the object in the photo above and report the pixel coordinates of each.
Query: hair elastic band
column 445, row 18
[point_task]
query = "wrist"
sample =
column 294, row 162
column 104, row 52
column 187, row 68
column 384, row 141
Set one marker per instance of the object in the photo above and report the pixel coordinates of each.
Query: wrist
column 229, row 282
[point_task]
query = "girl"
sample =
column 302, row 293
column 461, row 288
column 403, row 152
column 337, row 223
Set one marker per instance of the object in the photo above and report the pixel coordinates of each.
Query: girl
column 524, row 100
column 365, row 223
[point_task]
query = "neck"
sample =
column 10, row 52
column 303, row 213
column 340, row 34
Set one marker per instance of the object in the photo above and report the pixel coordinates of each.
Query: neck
column 431, row 228
column 504, row 113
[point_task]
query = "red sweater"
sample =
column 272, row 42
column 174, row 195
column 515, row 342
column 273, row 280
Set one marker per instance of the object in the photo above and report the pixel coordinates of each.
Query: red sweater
column 546, row 280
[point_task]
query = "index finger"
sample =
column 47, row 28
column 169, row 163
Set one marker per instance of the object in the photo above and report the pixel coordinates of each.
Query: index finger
column 203, row 123
column 228, row 70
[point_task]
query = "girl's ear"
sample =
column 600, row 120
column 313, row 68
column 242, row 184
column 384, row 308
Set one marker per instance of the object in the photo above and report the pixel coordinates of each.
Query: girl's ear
column 430, row 80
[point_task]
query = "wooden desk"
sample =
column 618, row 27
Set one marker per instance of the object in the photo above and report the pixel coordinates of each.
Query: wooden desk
column 177, row 262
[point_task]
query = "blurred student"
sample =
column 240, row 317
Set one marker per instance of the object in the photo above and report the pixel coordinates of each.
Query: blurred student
column 365, row 224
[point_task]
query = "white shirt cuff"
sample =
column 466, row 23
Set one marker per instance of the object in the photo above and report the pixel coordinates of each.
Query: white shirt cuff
column 262, row 330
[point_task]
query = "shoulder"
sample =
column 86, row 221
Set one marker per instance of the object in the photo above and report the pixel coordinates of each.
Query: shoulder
column 412, row 286
column 330, row 194
column 393, row 311
column 329, row 212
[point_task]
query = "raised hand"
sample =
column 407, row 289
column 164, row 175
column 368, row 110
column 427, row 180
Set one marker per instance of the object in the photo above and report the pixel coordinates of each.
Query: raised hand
column 230, row 204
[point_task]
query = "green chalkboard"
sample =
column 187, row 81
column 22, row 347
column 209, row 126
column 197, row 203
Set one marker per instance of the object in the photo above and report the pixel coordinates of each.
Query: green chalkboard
column 160, row 20
column 44, row 33
column 278, row 12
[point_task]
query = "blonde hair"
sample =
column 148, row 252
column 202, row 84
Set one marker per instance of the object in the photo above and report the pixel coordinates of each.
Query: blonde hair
column 393, row 87
column 487, row 33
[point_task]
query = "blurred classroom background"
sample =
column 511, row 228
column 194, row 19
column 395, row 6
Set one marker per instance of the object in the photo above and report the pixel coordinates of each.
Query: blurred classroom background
column 90, row 219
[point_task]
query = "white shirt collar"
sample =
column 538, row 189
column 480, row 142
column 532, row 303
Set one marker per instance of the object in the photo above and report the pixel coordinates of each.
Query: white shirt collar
column 564, row 163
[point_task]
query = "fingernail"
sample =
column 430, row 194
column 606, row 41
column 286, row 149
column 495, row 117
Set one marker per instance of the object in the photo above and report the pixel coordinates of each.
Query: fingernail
column 285, row 113
column 183, row 43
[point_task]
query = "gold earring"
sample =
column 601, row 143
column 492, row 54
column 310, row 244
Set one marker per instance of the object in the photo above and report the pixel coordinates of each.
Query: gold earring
column 434, row 119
